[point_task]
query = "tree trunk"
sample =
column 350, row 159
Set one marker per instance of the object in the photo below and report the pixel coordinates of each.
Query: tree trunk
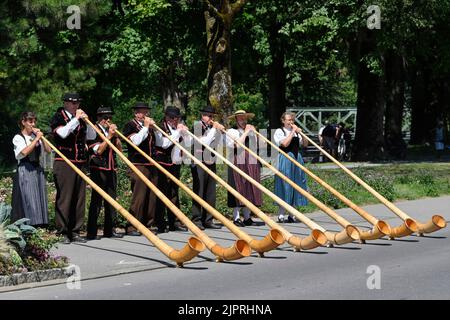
column 369, row 142
column 220, row 94
column 420, row 106
column 395, row 101
column 172, row 95
column 219, row 18
column 276, row 78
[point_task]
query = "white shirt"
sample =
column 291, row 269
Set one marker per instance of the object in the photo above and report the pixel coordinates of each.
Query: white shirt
column 164, row 142
column 137, row 138
column 20, row 144
column 234, row 134
column 63, row 132
column 91, row 135
column 210, row 136
column 280, row 135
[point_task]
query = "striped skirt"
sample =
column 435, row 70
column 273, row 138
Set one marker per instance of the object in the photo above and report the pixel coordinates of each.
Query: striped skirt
column 30, row 195
column 290, row 170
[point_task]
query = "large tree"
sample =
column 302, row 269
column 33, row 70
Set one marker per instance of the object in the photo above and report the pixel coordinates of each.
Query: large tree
column 219, row 17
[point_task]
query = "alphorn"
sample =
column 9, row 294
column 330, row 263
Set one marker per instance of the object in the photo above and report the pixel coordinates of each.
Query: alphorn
column 239, row 250
column 353, row 232
column 317, row 237
column 193, row 247
column 380, row 228
column 410, row 225
column 270, row 242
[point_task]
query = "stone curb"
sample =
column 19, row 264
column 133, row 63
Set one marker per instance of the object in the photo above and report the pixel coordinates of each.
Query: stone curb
column 35, row 276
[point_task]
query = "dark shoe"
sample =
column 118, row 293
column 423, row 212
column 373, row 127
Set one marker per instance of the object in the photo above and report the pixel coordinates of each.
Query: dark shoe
column 211, row 226
column 291, row 219
column 64, row 240
column 133, row 233
column 88, row 238
column 77, row 238
column 113, row 235
column 239, row 223
column 249, row 222
column 163, row 230
column 177, row 227
column 200, row 226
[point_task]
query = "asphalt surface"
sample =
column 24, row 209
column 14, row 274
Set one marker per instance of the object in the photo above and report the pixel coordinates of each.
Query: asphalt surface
column 132, row 268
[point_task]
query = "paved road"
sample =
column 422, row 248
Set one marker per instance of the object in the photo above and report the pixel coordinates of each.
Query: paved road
column 131, row 268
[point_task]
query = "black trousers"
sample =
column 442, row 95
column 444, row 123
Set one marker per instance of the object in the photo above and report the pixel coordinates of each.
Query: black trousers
column 205, row 187
column 170, row 189
column 107, row 180
column 70, row 198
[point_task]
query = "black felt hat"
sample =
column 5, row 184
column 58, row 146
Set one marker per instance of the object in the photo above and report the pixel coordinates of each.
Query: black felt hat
column 172, row 111
column 72, row 96
column 208, row 109
column 141, row 105
column 104, row 110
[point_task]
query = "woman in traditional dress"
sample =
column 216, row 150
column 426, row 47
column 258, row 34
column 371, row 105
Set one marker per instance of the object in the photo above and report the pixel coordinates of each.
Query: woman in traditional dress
column 289, row 140
column 29, row 188
column 243, row 132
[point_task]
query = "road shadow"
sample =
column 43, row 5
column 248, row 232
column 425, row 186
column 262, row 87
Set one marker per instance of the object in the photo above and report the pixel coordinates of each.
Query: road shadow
column 268, row 257
column 400, row 240
column 429, row 237
column 345, row 248
column 129, row 254
column 237, row 263
column 377, row 244
column 301, row 251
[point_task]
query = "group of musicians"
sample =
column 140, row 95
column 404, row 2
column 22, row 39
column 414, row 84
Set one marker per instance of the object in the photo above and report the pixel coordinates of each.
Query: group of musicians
column 81, row 145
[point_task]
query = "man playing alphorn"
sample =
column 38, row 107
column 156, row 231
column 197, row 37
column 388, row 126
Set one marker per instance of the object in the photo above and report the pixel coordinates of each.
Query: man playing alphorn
column 69, row 132
column 103, row 167
column 143, row 201
column 204, row 185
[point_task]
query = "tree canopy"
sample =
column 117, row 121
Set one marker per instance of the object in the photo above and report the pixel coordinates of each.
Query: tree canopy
column 282, row 53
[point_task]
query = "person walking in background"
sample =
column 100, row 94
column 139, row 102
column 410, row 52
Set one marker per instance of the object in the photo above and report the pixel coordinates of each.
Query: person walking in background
column 29, row 198
column 439, row 139
column 289, row 140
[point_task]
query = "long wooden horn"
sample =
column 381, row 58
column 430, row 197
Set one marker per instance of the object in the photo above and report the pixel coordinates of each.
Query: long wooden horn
column 270, row 242
column 239, row 250
column 410, row 225
column 317, row 237
column 190, row 250
column 380, row 228
column 351, row 232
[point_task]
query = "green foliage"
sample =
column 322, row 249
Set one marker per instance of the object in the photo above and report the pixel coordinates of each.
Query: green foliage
column 24, row 248
column 5, row 246
column 5, row 211
column 17, row 232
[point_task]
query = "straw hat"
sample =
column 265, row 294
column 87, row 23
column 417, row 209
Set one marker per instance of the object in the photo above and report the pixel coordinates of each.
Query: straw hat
column 241, row 112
